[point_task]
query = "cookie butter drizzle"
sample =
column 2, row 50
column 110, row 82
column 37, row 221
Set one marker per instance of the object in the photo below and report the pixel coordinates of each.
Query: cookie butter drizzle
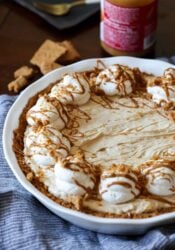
column 49, row 143
column 122, row 183
column 59, row 108
column 73, row 91
column 80, row 165
column 106, row 102
column 162, row 89
column 153, row 168
column 121, row 171
column 155, row 164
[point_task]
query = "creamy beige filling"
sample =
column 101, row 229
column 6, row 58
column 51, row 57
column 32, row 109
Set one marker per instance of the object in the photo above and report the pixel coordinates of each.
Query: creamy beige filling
column 124, row 135
column 138, row 206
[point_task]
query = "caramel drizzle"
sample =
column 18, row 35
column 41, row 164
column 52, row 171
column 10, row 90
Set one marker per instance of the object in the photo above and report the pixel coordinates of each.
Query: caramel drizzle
column 125, row 184
column 104, row 102
column 87, row 190
column 49, row 143
column 43, row 112
column 82, row 114
column 165, row 84
column 100, row 63
column 63, row 115
column 167, row 177
column 80, row 91
column 129, row 176
column 168, row 72
column 82, row 88
column 62, row 112
column 74, row 124
column 147, row 168
column 122, row 183
column 135, row 103
column 74, row 134
column 58, row 106
column 123, row 76
column 113, row 175
column 84, row 166
column 62, row 145
column 166, row 88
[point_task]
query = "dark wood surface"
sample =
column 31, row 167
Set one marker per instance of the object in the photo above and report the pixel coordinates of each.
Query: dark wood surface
column 21, row 33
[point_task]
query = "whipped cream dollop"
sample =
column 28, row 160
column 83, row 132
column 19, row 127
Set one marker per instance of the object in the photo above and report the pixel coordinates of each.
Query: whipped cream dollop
column 116, row 80
column 159, row 93
column 170, row 73
column 47, row 112
column 74, row 177
column 73, row 89
column 43, row 146
column 162, row 88
column 119, row 184
column 160, row 178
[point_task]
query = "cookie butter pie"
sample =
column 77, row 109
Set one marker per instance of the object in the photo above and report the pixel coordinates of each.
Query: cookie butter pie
column 103, row 141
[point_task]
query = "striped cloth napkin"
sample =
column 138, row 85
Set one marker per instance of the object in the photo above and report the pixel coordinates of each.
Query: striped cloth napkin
column 26, row 224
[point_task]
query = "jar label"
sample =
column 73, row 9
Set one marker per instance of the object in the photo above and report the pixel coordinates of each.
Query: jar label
column 128, row 29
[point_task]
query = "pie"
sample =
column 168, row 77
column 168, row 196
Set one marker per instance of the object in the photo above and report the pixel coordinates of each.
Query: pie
column 103, row 141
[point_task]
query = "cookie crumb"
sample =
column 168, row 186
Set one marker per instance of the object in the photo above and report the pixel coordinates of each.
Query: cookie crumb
column 30, row 176
column 46, row 67
column 71, row 55
column 24, row 71
column 16, row 85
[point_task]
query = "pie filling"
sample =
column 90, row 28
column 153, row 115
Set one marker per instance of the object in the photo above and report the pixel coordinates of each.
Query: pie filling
column 103, row 141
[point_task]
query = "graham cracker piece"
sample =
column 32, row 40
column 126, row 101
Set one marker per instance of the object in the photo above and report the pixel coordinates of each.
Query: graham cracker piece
column 24, row 71
column 71, row 55
column 49, row 51
column 17, row 84
column 46, row 67
column 30, row 176
column 76, row 201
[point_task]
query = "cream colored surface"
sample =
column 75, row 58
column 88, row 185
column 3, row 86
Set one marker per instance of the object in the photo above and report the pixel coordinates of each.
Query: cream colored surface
column 138, row 206
column 124, row 135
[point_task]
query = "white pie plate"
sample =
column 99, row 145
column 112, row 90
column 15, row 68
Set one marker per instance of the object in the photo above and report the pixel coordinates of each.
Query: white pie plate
column 103, row 225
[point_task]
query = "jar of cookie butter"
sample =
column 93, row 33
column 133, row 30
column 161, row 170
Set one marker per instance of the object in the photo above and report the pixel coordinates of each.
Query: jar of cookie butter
column 128, row 27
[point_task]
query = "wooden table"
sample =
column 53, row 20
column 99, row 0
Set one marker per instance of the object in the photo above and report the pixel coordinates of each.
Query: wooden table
column 21, row 33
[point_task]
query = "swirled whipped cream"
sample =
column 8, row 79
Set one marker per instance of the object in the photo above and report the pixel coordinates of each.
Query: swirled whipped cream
column 47, row 112
column 74, row 177
column 119, row 184
column 73, row 89
column 160, row 178
column 162, row 88
column 43, row 146
column 116, row 80
column 170, row 73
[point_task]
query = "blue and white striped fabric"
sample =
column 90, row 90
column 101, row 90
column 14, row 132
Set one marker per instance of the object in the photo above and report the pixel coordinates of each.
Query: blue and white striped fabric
column 26, row 224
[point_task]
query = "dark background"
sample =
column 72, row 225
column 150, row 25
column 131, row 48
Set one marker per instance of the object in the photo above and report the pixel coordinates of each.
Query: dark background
column 21, row 33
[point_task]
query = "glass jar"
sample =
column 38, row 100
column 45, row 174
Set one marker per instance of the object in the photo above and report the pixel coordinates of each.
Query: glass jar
column 128, row 27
